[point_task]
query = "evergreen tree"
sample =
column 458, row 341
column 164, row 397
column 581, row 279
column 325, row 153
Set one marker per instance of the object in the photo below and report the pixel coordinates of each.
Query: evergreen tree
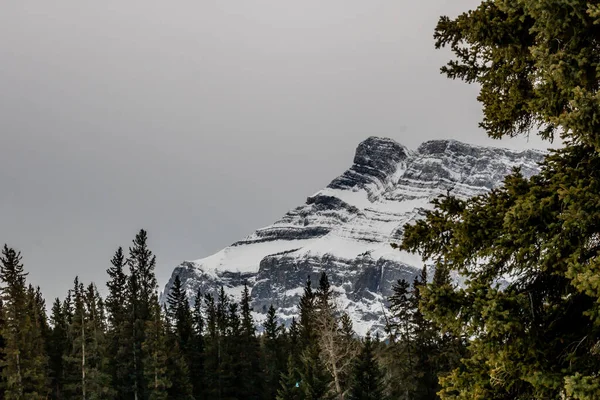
column 180, row 314
column 314, row 378
column 250, row 375
column 367, row 377
column 431, row 346
column 120, row 327
column 98, row 375
column 336, row 346
column 324, row 294
column 179, row 340
column 401, row 355
column 25, row 365
column 85, row 361
column 155, row 352
column 197, row 350
column 141, row 290
column 290, row 383
column 212, row 350
column 293, row 339
column 273, row 351
column 58, row 346
column 307, row 316
column 75, row 358
column 535, row 63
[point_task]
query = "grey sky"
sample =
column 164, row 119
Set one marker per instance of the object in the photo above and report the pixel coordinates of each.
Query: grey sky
column 201, row 120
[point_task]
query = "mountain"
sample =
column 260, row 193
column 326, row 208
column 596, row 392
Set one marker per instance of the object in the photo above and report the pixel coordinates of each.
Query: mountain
column 346, row 229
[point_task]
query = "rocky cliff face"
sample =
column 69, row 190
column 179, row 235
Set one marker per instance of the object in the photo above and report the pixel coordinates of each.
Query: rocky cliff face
column 346, row 229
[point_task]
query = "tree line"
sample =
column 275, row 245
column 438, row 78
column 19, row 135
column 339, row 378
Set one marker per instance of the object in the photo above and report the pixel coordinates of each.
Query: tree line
column 205, row 346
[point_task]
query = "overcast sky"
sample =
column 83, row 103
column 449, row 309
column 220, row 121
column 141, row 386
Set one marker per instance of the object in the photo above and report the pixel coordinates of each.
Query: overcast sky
column 199, row 120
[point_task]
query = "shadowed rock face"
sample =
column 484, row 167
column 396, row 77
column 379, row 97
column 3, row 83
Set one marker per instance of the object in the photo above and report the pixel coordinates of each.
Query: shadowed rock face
column 375, row 161
column 346, row 229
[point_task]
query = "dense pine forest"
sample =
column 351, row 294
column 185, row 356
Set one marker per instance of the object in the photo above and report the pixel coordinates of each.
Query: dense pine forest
column 129, row 346
column 524, row 325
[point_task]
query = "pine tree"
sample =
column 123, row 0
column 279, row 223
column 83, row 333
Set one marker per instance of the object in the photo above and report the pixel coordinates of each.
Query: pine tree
column 212, row 350
column 120, row 327
column 197, row 350
column 293, row 339
column 25, row 368
column 314, row 378
column 249, row 362
column 535, row 63
column 307, row 316
column 141, row 290
column 179, row 339
column 75, row 359
column 155, row 352
column 273, row 354
column 336, row 346
column 401, row 355
column 430, row 348
column 180, row 314
column 98, row 374
column 367, row 377
column 290, row 383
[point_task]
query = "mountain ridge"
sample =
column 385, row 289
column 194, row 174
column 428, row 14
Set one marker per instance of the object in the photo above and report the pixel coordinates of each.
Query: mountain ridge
column 346, row 228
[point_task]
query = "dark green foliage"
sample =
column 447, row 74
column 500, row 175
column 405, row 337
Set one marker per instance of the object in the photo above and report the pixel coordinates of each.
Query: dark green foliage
column 197, row 350
column 25, row 362
column 290, row 383
column 274, row 354
column 180, row 336
column 367, row 377
column 180, row 314
column 249, row 352
column 85, row 362
column 141, row 289
column 314, row 378
column 119, row 335
column 306, row 324
column 155, row 351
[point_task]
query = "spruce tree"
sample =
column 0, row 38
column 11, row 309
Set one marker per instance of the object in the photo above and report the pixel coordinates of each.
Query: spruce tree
column 25, row 365
column 180, row 314
column 155, row 352
column 273, row 351
column 197, row 349
column 401, row 354
column 120, row 327
column 57, row 348
column 307, row 316
column 535, row 63
column 213, row 350
column 290, row 383
column 98, row 374
column 141, row 290
column 314, row 378
column 367, row 377
column 179, row 330
column 251, row 379
column 335, row 346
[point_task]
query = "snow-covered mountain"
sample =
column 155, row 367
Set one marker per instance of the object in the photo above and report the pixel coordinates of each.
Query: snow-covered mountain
column 346, row 229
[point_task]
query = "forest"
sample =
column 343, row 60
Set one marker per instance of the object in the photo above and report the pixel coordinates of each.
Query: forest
column 524, row 325
column 128, row 346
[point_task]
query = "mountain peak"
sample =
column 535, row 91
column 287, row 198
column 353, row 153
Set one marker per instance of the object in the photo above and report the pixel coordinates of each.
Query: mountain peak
column 376, row 159
column 346, row 229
